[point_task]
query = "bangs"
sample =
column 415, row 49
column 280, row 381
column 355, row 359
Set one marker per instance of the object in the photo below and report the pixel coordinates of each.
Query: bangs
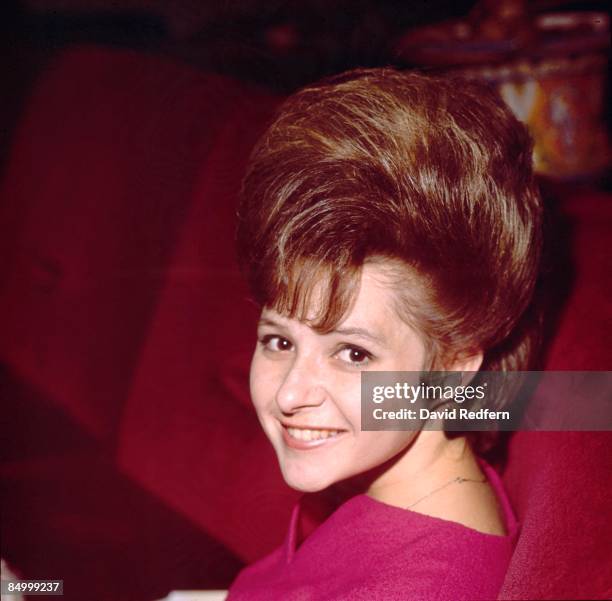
column 320, row 294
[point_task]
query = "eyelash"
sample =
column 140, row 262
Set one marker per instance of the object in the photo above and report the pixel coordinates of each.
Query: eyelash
column 352, row 348
column 265, row 341
column 268, row 338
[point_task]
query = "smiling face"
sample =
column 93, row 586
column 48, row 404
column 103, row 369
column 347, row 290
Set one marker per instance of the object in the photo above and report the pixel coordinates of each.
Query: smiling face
column 306, row 386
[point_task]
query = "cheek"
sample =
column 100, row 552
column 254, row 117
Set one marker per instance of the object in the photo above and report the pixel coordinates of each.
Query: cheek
column 265, row 379
column 259, row 384
column 344, row 390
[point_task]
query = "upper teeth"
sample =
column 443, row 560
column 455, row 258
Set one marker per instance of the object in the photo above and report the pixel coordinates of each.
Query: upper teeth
column 303, row 434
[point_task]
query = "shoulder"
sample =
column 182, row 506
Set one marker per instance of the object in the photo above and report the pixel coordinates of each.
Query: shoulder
column 399, row 551
column 445, row 566
column 473, row 505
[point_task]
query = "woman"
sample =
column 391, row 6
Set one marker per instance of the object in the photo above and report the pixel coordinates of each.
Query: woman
column 390, row 222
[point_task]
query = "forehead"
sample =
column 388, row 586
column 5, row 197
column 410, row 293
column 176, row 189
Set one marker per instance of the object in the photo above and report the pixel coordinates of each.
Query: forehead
column 373, row 304
column 376, row 296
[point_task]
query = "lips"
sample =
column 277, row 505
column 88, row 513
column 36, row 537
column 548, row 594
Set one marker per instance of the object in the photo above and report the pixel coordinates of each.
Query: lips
column 309, row 438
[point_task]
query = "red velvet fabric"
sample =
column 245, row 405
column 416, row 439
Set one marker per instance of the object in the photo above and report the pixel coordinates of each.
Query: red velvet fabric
column 560, row 483
column 122, row 307
column 125, row 325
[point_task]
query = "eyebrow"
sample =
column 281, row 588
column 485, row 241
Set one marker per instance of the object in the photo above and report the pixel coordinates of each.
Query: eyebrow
column 266, row 321
column 361, row 332
column 347, row 331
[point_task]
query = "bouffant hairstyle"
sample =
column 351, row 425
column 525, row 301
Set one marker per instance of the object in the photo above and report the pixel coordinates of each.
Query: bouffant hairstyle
column 432, row 176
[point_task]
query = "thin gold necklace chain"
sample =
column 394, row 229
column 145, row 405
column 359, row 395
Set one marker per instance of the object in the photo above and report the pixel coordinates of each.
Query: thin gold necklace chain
column 457, row 480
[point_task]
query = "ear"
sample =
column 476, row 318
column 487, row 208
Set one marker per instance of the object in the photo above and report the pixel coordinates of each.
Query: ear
column 467, row 363
column 471, row 362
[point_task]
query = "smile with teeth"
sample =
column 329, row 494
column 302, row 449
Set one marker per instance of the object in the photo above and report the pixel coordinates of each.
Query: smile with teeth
column 307, row 434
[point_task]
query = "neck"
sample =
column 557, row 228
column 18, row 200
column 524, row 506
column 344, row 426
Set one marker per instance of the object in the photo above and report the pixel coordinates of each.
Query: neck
column 431, row 460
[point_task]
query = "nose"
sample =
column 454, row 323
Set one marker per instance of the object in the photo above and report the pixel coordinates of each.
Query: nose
column 301, row 388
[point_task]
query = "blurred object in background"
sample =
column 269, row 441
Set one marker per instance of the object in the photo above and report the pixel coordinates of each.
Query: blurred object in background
column 280, row 44
column 7, row 574
column 550, row 69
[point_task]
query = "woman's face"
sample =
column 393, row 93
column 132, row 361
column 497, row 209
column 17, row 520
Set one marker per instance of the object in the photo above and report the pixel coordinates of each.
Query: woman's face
column 306, row 386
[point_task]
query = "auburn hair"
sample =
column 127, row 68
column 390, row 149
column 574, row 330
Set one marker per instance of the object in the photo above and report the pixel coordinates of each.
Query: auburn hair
column 431, row 175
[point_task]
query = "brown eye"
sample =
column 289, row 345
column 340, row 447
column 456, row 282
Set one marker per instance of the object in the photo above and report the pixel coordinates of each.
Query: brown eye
column 275, row 343
column 357, row 356
column 283, row 344
column 354, row 356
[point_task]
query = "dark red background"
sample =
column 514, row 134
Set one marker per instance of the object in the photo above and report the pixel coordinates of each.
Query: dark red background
column 132, row 463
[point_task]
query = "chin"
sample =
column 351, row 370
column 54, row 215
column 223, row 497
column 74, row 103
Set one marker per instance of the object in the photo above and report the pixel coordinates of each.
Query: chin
column 306, row 488
column 306, row 484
